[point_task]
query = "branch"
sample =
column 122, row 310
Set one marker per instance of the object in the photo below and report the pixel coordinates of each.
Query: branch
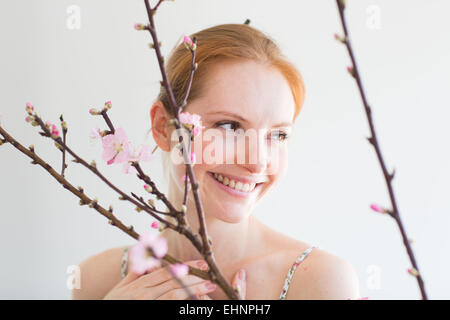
column 374, row 142
column 207, row 252
column 85, row 200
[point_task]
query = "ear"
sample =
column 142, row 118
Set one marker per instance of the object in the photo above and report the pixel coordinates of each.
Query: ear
column 160, row 125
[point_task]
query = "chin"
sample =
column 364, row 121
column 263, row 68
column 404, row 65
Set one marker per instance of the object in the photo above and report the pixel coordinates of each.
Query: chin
column 229, row 213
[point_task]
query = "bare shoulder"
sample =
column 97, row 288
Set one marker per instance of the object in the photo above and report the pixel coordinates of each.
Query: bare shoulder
column 321, row 275
column 324, row 276
column 99, row 273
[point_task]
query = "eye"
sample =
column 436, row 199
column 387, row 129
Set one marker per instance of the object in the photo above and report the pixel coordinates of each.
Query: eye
column 234, row 124
column 280, row 135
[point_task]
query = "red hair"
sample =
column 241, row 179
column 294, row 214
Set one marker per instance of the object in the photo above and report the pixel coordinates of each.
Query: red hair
column 223, row 42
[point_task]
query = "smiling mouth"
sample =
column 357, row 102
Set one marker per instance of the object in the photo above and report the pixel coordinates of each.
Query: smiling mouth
column 233, row 187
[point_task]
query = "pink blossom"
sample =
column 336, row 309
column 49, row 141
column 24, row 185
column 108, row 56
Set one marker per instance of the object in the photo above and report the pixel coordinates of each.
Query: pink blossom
column 140, row 259
column 143, row 154
column 95, row 133
column 155, row 224
column 160, row 247
column 54, row 131
column 116, row 147
column 179, row 270
column 192, row 120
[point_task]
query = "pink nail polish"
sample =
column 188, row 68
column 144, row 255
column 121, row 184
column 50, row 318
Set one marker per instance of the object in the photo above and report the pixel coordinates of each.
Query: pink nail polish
column 242, row 274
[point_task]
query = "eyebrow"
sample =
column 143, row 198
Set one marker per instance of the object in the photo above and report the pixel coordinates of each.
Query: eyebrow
column 282, row 124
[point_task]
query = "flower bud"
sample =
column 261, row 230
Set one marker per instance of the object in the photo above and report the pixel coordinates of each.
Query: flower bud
column 155, row 225
column 138, row 209
column 94, row 164
column 413, row 272
column 139, row 26
column 54, row 132
column 189, row 44
column 183, row 208
column 58, row 146
column 93, row 203
column 148, row 188
column 339, row 38
column 351, row 70
column 151, row 203
column 108, row 105
column 29, row 108
column 378, row 208
column 94, row 112
column 29, row 119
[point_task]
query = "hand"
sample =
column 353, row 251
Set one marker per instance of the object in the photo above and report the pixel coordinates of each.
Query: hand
column 159, row 284
column 238, row 280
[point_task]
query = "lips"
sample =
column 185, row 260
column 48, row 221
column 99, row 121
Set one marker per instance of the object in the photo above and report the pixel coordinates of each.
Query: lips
column 233, row 191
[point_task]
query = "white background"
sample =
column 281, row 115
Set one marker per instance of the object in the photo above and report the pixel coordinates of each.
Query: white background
column 334, row 174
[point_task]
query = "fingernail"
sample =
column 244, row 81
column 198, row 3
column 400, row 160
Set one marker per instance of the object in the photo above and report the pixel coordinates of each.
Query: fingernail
column 202, row 265
column 210, row 285
column 242, row 274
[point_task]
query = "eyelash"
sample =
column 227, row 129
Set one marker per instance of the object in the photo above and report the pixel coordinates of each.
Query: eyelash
column 282, row 134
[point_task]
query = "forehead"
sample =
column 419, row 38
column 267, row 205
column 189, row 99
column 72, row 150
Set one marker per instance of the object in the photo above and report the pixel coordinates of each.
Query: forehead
column 256, row 92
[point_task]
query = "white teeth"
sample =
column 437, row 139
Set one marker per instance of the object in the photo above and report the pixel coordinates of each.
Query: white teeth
column 244, row 187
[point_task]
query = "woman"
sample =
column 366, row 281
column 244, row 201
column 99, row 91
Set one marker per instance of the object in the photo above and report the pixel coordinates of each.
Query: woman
column 242, row 82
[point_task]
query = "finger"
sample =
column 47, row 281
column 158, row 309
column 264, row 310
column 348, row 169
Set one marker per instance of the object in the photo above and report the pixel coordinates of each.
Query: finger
column 162, row 275
column 205, row 297
column 132, row 275
column 199, row 289
column 240, row 281
column 174, row 284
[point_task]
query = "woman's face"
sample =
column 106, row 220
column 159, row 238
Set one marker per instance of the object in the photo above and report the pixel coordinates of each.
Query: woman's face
column 247, row 110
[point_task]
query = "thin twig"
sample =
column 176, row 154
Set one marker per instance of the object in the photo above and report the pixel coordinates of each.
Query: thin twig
column 141, row 175
column 94, row 169
column 374, row 141
column 85, row 200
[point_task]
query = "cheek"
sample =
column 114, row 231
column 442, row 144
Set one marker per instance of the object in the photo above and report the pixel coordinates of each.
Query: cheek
column 278, row 163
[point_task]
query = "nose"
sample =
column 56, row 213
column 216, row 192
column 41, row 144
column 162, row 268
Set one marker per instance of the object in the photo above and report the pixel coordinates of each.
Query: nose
column 258, row 159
